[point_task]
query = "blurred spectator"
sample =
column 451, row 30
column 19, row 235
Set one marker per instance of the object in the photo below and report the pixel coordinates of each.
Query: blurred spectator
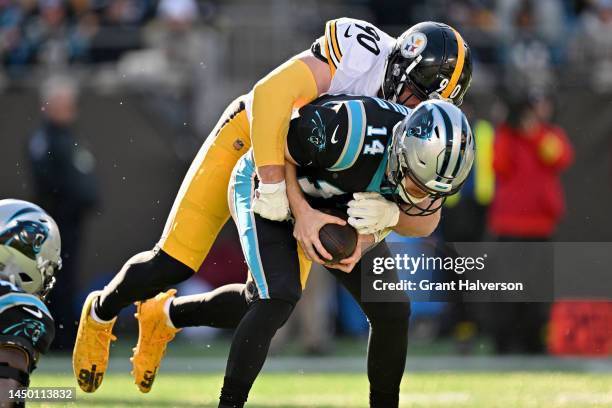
column 591, row 47
column 546, row 19
column 529, row 155
column 120, row 29
column 527, row 46
column 181, row 83
column 39, row 32
column 65, row 185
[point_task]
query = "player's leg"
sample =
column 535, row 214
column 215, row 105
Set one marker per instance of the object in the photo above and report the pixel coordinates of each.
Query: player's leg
column 161, row 317
column 198, row 214
column 272, row 289
column 388, row 340
column 222, row 308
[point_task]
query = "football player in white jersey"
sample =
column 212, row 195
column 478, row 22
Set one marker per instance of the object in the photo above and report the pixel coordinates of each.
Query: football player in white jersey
column 430, row 60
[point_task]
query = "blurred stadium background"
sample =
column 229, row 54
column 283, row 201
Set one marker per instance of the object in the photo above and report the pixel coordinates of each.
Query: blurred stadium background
column 127, row 91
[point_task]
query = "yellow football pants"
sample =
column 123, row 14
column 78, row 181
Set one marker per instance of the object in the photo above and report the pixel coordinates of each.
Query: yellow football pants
column 201, row 209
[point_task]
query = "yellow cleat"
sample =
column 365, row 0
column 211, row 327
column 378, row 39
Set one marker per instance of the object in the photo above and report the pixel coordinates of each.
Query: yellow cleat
column 154, row 334
column 90, row 355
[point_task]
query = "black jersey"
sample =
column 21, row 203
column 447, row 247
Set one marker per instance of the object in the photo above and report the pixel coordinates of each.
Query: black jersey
column 25, row 322
column 340, row 144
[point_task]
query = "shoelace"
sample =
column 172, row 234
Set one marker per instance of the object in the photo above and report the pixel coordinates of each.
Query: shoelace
column 103, row 337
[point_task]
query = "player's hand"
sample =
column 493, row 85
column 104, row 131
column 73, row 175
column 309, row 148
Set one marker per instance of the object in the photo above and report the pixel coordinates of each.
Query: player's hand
column 347, row 265
column 308, row 222
column 371, row 212
column 271, row 201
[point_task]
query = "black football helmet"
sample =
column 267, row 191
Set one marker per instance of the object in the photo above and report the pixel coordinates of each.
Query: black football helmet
column 433, row 60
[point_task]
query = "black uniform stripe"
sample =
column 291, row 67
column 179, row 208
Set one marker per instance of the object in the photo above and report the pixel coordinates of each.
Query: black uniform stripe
column 449, row 142
column 315, row 48
column 464, row 140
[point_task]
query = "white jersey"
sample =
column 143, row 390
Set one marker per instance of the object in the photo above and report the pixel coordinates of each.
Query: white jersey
column 356, row 53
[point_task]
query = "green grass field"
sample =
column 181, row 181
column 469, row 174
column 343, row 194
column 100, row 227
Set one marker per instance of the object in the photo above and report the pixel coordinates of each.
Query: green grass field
column 486, row 389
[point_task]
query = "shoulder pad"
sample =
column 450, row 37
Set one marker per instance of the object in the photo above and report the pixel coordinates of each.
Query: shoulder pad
column 354, row 43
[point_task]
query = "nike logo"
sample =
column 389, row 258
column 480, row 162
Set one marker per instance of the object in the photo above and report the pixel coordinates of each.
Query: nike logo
column 333, row 138
column 36, row 312
column 346, row 32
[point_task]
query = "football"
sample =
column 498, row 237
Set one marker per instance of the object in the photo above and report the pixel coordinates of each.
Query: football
column 339, row 240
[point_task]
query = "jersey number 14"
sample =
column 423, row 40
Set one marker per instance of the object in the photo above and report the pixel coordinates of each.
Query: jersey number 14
column 376, row 146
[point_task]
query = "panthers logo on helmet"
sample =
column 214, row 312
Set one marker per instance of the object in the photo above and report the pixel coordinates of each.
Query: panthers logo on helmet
column 318, row 136
column 421, row 123
column 25, row 236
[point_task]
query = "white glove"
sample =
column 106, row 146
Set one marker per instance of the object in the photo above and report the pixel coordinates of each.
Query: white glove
column 371, row 212
column 271, row 201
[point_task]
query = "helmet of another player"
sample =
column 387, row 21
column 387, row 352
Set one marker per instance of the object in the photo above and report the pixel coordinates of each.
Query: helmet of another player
column 30, row 246
column 430, row 60
column 432, row 149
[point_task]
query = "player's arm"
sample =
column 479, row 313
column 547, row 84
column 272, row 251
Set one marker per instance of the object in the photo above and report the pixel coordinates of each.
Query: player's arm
column 308, row 221
column 411, row 226
column 293, row 84
column 13, row 372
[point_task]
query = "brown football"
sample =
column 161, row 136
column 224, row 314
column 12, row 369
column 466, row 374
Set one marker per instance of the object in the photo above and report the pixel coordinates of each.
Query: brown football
column 339, row 240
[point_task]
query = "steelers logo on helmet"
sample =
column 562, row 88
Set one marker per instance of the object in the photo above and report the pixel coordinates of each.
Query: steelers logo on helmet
column 433, row 60
column 414, row 44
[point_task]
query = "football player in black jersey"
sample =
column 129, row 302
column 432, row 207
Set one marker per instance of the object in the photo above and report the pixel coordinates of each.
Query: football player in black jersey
column 360, row 153
column 30, row 249
column 354, row 57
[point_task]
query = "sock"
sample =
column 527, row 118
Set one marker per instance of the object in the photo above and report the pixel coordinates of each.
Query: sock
column 223, row 307
column 167, row 312
column 142, row 277
column 94, row 315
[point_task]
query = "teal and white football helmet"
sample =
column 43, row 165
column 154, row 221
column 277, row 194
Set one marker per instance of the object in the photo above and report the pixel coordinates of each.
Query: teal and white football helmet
column 30, row 246
column 434, row 147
